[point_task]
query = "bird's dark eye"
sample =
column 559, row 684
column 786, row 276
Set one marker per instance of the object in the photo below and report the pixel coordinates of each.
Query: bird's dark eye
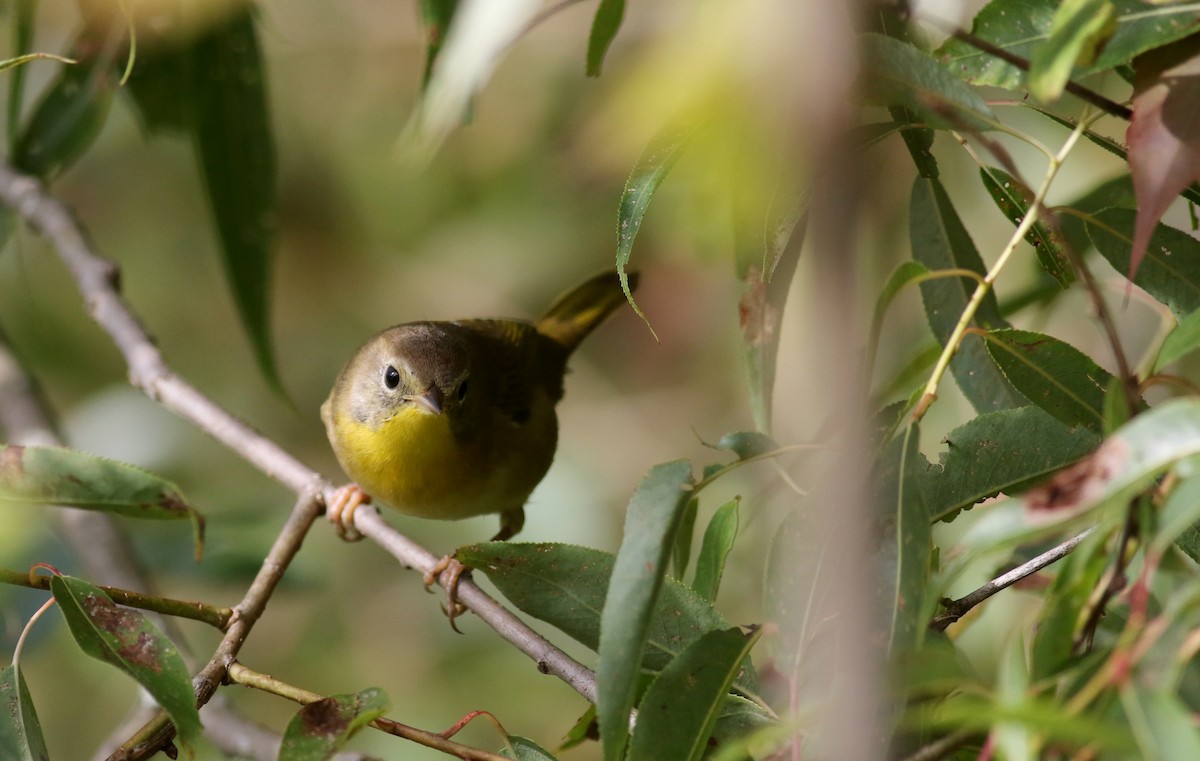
column 391, row 377
column 462, row 390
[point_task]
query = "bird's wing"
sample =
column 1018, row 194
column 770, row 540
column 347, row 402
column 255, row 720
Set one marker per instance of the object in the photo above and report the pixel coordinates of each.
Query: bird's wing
column 519, row 360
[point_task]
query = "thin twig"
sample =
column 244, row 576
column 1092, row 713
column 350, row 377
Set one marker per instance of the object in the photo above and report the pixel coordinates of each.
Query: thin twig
column 956, row 609
column 943, row 746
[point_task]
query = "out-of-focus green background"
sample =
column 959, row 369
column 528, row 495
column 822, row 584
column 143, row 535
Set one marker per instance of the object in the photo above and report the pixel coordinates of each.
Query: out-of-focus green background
column 516, row 207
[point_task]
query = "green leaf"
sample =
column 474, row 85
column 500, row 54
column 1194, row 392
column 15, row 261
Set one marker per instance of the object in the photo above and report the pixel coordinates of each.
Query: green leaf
column 651, row 169
column 738, row 719
column 55, row 476
column 747, row 444
column 1181, row 341
column 20, row 731
column 1161, row 723
column 1013, row 198
column 683, row 540
column 715, row 548
column 1000, row 452
column 907, row 541
column 1179, row 513
column 1074, row 584
column 1079, row 30
column 526, row 750
column 604, row 29
column 67, row 119
column 900, row 75
column 1053, row 375
column 566, row 586
column 125, row 638
column 1115, row 192
column 436, row 15
column 1019, row 27
column 323, row 727
column 233, row 139
column 24, row 21
column 940, row 242
column 1171, row 270
column 638, row 572
column 796, row 588
column 680, row 709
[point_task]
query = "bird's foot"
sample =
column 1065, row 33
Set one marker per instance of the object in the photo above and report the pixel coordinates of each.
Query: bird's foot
column 341, row 508
column 453, row 608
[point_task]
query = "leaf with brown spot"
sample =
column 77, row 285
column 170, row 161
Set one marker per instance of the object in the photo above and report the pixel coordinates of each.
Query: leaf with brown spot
column 125, row 638
column 323, row 727
column 1164, row 135
column 59, row 476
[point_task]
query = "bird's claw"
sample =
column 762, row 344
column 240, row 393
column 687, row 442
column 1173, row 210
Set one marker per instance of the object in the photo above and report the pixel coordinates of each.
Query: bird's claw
column 341, row 508
column 453, row 608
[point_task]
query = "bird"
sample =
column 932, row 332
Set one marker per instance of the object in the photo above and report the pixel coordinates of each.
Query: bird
column 452, row 419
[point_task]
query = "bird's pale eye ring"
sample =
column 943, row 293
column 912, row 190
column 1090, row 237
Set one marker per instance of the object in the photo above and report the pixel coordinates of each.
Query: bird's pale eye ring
column 391, row 377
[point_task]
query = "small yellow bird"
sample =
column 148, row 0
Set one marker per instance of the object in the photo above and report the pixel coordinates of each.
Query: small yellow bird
column 454, row 419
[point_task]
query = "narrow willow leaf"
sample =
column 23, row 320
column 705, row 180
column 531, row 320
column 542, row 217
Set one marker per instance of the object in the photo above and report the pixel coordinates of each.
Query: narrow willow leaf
column 20, row 731
column 1013, row 198
column 683, row 540
column 738, row 719
column 233, row 137
column 906, row 272
column 526, row 750
column 715, row 548
column 940, row 242
column 1075, row 580
column 1053, row 375
column 907, row 542
column 1080, row 28
column 797, row 586
column 1171, row 270
column 67, row 120
column 1014, row 739
column 680, row 709
column 651, row 169
column 319, row 729
column 1181, row 341
column 24, row 21
column 1001, row 451
column 125, row 638
column 901, row 75
column 1161, row 723
column 1179, row 513
column 436, row 15
column 604, row 30
column 1019, row 27
column 638, row 572
column 566, row 586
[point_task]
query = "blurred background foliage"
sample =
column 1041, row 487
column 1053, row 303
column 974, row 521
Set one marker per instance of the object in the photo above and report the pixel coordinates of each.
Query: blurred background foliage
column 516, row 207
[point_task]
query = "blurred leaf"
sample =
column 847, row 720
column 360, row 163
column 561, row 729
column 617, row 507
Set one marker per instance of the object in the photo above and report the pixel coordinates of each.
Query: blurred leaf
column 1171, row 271
column 584, row 729
column 1013, row 197
column 1116, row 405
column 526, row 750
column 604, row 29
column 237, row 154
column 683, row 539
column 24, row 20
column 1078, row 31
column 1181, row 341
column 680, row 709
column 1075, row 581
column 125, row 638
column 907, row 541
column 650, row 524
column 651, row 169
column 1180, row 512
column 899, row 74
column 1164, row 135
column 20, row 731
column 795, row 588
column 1014, row 739
column 68, row 118
column 321, row 728
column 906, row 272
column 940, row 242
column 1053, row 375
column 1019, row 27
column 437, row 16
column 738, row 718
column 566, row 586
column 1161, row 724
column 747, row 444
column 54, row 476
column 997, row 452
column 1126, row 462
column 715, row 548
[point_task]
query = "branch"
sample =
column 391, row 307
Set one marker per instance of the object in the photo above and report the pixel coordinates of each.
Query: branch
column 956, row 609
column 97, row 280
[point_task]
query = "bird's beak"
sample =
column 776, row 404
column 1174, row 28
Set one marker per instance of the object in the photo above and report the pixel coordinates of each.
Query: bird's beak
column 431, row 399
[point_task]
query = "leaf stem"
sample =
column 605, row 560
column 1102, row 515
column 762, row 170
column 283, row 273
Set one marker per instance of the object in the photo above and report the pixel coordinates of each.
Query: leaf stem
column 981, row 290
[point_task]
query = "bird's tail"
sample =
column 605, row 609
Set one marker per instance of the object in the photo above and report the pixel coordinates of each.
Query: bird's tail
column 578, row 311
